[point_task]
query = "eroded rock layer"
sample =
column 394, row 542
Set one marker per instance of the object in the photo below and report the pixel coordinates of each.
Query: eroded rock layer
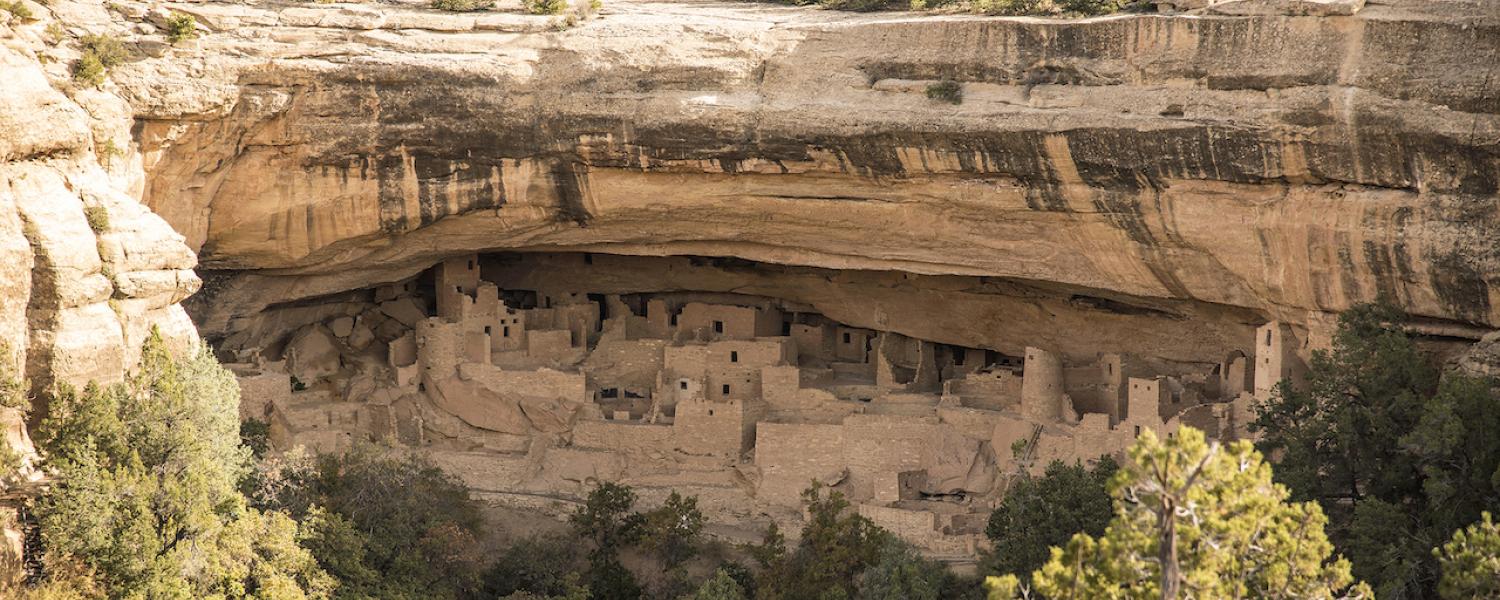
column 1288, row 165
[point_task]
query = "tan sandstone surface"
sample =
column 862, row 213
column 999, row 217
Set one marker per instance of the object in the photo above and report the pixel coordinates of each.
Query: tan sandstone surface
column 1277, row 163
column 86, row 270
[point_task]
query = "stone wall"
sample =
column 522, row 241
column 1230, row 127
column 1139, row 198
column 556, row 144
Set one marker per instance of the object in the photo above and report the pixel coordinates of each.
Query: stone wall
column 791, row 456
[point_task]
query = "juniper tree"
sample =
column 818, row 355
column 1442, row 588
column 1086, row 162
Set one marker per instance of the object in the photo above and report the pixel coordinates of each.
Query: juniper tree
column 1398, row 453
column 145, row 491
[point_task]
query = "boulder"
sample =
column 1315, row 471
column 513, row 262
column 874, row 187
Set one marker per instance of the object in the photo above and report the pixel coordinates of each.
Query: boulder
column 312, row 354
column 360, row 336
column 406, row 310
column 342, row 326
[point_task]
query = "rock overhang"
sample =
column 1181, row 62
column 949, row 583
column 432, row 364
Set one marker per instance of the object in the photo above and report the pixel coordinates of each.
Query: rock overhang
column 1283, row 164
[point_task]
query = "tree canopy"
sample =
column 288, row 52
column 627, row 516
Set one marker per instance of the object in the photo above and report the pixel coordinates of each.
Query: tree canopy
column 1196, row 519
column 145, row 489
column 1399, row 454
column 1041, row 512
column 1471, row 562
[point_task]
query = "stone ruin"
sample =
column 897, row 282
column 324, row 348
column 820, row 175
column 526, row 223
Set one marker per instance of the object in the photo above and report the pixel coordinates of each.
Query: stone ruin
column 531, row 396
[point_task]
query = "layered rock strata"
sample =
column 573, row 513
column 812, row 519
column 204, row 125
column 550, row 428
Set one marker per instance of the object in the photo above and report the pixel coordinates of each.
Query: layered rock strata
column 1284, row 163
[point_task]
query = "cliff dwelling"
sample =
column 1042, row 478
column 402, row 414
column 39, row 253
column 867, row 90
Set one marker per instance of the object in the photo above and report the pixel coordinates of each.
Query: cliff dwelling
column 543, row 374
column 723, row 250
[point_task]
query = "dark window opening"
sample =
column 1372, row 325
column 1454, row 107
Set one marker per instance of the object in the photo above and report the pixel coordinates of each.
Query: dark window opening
column 958, row 357
column 609, row 393
column 718, row 327
column 1268, row 337
column 421, row 387
column 710, row 412
column 518, row 299
column 458, row 288
column 734, row 356
column 726, row 389
column 471, row 265
column 674, row 320
column 1137, row 431
column 505, row 331
column 487, row 330
column 682, row 385
column 786, row 328
column 846, row 337
column 588, row 258
column 598, row 300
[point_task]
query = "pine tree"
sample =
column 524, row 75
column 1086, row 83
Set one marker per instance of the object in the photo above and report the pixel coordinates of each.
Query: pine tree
column 1471, row 562
column 1195, row 519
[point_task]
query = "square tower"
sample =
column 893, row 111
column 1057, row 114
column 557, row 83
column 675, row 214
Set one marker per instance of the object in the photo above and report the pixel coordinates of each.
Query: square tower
column 457, row 281
column 1275, row 359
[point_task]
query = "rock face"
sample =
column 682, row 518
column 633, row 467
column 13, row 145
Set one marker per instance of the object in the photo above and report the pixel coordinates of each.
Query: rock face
column 1289, row 163
column 85, row 269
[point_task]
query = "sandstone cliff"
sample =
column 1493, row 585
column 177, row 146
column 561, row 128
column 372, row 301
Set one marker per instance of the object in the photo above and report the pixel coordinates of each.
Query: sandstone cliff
column 85, row 269
column 1272, row 165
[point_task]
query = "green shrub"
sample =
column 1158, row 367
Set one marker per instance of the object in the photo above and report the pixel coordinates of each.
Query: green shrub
column 108, row 152
column 100, row 54
column 462, row 5
column 18, row 9
column 181, row 27
column 255, row 434
column 540, row 565
column 385, row 525
column 109, row 49
column 545, row 7
column 98, row 217
column 837, row 545
column 1013, row 7
column 903, row 574
column 722, row 586
column 856, row 5
column 671, row 532
column 1471, row 561
column 1401, row 453
column 89, row 70
column 1090, row 8
column 55, row 32
column 12, row 386
column 946, row 90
